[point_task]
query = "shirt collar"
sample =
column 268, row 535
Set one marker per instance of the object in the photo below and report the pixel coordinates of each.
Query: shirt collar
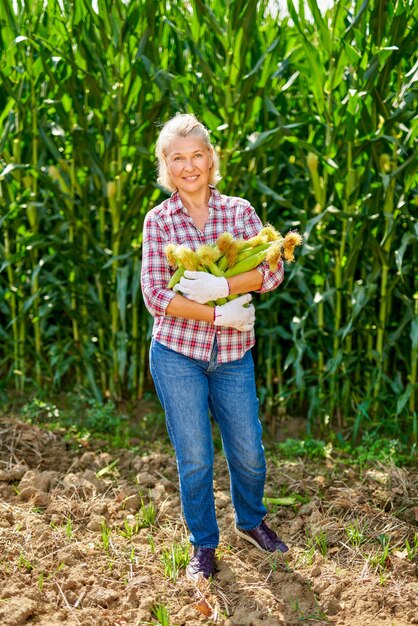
column 175, row 204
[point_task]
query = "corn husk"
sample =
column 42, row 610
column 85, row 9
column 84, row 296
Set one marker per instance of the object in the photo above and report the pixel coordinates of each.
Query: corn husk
column 230, row 257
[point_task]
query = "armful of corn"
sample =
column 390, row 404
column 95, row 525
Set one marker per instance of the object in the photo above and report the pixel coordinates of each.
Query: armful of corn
column 230, row 257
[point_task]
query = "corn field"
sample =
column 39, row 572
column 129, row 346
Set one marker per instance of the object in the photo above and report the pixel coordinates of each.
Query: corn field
column 314, row 116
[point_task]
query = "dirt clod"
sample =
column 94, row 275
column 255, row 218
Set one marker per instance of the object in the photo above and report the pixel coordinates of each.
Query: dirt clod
column 16, row 611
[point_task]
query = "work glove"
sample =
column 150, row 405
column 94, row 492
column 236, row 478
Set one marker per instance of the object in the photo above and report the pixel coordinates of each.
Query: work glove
column 202, row 287
column 235, row 314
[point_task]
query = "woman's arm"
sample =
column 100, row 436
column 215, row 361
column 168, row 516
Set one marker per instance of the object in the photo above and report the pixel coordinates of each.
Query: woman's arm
column 155, row 270
column 180, row 306
column 155, row 275
column 244, row 283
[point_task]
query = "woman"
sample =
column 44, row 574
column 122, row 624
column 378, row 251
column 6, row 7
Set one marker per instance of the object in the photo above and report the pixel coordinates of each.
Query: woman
column 200, row 356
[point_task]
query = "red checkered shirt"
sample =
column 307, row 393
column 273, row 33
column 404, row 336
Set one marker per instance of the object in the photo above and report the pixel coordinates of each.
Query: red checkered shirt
column 170, row 222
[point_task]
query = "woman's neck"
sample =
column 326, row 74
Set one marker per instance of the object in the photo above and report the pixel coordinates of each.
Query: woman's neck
column 195, row 202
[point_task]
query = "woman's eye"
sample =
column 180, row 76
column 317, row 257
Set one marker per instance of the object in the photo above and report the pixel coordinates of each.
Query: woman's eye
column 177, row 158
column 199, row 155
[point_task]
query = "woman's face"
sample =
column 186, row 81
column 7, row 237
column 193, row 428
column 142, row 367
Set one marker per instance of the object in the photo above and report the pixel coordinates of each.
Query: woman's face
column 189, row 161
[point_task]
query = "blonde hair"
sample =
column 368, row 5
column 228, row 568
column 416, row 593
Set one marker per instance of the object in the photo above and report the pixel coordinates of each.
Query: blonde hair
column 183, row 125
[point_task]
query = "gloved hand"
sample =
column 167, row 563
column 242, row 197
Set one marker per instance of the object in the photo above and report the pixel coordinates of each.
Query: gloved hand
column 235, row 315
column 202, row 287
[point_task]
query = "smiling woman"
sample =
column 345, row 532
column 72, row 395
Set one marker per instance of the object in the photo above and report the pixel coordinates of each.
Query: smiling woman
column 169, row 148
column 189, row 162
column 200, row 357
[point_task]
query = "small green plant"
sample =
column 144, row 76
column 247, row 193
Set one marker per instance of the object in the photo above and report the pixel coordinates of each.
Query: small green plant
column 294, row 605
column 5, row 567
column 412, row 549
column 160, row 612
column 151, row 542
column 145, row 518
column 278, row 563
column 103, row 417
column 321, row 541
column 373, row 448
column 307, row 556
column 308, row 448
column 38, row 411
column 131, row 529
column 175, row 559
column 25, row 563
column 37, row 509
column 380, row 560
column 105, row 534
column 69, row 528
column 355, row 534
column 148, row 515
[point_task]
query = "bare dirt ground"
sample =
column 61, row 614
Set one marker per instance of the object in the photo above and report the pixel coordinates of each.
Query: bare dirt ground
column 79, row 545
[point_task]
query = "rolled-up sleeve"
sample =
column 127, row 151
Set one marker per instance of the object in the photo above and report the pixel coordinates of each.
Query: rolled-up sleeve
column 271, row 280
column 155, row 270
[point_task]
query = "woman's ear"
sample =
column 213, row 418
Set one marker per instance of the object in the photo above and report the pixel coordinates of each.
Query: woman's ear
column 210, row 158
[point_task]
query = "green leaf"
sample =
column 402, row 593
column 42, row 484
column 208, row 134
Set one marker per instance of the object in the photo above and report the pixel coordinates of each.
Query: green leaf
column 122, row 292
column 414, row 333
column 284, row 501
column 323, row 29
column 403, row 399
column 107, row 469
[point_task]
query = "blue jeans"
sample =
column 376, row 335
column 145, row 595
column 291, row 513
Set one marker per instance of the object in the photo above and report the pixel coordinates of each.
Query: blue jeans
column 188, row 388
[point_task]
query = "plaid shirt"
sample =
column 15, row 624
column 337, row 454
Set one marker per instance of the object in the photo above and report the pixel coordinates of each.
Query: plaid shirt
column 170, row 222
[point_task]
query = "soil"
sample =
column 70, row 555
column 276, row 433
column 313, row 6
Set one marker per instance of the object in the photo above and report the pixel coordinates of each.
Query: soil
column 75, row 548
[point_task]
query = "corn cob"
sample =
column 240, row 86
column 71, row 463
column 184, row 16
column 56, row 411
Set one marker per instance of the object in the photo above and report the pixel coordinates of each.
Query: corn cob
column 246, row 265
column 229, row 257
column 176, row 276
column 184, row 258
column 247, row 252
